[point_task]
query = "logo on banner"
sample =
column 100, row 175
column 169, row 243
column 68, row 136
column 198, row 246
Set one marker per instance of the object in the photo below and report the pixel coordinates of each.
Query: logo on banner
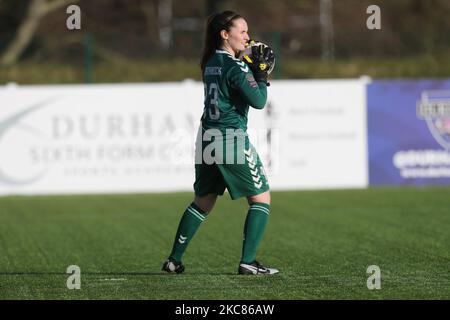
column 14, row 121
column 434, row 108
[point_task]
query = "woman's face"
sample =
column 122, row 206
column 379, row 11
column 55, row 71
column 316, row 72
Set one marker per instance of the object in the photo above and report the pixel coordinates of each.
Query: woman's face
column 237, row 37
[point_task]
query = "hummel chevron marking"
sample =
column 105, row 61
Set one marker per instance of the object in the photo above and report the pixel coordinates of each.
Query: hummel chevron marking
column 248, row 152
column 256, row 179
column 182, row 239
column 258, row 185
column 242, row 65
column 252, row 165
column 254, row 173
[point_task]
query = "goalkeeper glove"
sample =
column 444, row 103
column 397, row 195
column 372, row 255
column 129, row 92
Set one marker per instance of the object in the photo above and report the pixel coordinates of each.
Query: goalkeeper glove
column 261, row 62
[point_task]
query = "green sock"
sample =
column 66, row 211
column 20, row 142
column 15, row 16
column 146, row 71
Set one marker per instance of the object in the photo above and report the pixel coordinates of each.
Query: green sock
column 190, row 221
column 255, row 224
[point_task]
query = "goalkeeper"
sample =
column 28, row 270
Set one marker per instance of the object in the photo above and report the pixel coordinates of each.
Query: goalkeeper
column 231, row 86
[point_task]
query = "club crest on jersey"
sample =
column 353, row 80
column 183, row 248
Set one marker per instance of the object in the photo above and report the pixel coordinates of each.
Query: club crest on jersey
column 251, row 80
column 434, row 108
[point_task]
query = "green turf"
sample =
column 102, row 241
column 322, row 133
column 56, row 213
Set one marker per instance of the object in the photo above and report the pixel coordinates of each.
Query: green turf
column 322, row 241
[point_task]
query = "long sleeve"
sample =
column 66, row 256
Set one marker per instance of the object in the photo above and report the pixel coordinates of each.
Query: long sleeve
column 241, row 78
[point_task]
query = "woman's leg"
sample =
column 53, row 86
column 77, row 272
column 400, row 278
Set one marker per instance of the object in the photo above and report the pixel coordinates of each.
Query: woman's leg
column 255, row 225
column 259, row 198
column 207, row 202
column 193, row 216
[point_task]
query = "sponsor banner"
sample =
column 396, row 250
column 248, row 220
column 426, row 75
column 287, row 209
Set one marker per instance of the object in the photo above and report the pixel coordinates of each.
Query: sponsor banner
column 99, row 138
column 317, row 134
column 409, row 132
column 141, row 137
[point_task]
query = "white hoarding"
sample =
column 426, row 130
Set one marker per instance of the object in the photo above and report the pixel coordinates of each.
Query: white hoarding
column 319, row 134
column 140, row 138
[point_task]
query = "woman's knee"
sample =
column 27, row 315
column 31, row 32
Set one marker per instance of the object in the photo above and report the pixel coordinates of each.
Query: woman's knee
column 260, row 198
column 206, row 203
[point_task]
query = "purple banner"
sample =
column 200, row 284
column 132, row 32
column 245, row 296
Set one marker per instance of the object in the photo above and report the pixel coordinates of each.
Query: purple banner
column 409, row 132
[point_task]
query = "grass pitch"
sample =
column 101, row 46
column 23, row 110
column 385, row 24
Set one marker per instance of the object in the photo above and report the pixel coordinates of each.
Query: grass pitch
column 322, row 242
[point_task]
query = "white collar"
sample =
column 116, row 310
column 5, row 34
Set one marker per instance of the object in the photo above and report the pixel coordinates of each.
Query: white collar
column 223, row 51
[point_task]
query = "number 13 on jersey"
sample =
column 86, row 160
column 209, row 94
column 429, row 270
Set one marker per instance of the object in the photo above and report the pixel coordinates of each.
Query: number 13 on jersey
column 212, row 107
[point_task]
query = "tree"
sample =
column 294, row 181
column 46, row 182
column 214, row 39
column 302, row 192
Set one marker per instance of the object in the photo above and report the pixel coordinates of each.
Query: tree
column 36, row 11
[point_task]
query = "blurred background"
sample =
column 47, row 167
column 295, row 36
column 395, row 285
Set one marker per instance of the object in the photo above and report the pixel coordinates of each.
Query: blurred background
column 161, row 40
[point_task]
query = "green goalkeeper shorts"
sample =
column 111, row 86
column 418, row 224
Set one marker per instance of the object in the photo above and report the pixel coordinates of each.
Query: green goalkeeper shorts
column 236, row 166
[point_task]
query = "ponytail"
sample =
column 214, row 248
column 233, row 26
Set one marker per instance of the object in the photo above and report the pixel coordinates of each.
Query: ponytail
column 213, row 41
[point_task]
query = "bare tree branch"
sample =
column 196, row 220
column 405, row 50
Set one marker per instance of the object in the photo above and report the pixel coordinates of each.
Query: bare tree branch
column 36, row 11
column 56, row 4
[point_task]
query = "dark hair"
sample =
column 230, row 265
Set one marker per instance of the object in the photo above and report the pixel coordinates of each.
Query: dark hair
column 213, row 41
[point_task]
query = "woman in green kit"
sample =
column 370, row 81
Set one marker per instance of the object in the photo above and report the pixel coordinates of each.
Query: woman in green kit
column 231, row 86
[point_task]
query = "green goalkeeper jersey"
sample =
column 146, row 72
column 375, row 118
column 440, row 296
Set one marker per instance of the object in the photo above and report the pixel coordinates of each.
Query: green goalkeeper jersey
column 230, row 88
